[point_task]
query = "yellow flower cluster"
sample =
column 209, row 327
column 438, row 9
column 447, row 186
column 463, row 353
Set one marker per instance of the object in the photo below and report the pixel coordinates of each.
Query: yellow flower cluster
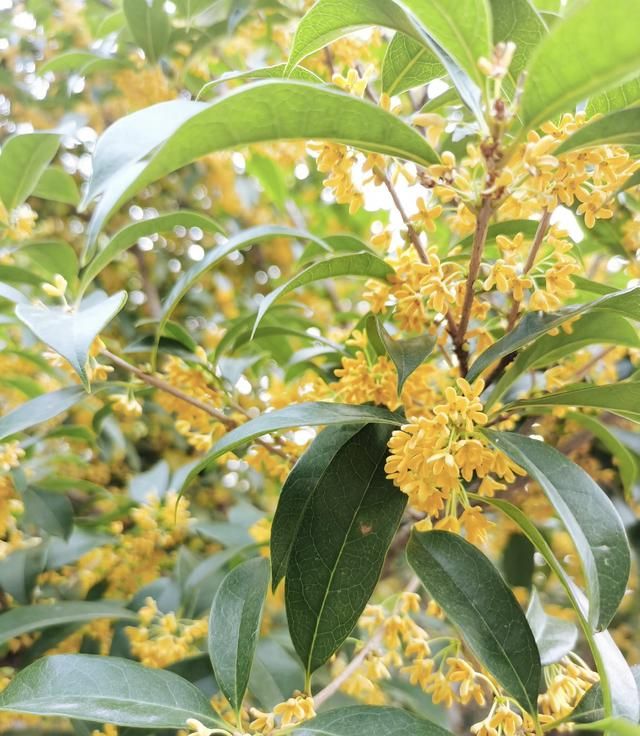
column 567, row 682
column 162, row 639
column 433, row 453
column 292, row 711
column 10, row 455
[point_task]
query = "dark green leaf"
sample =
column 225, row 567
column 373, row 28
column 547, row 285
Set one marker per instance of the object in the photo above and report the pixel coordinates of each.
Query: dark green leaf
column 554, row 636
column 480, row 604
column 407, row 355
column 49, row 512
column 374, row 720
column 40, row 409
column 340, row 546
column 407, row 64
column 557, row 81
column 26, row 619
column 586, row 512
column 619, row 128
column 352, row 264
column 106, row 690
column 234, row 626
column 22, row 161
column 302, row 483
column 534, row 324
column 149, row 25
column 309, row 414
column 71, row 333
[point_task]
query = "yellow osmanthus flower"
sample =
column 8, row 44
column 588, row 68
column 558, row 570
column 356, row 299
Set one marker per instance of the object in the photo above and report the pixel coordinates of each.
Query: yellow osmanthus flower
column 20, row 223
column 10, row 455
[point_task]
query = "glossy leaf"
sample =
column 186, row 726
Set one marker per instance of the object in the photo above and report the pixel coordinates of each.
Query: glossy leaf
column 407, row 64
column 27, row 619
column 554, row 636
column 48, row 512
column 340, row 546
column 481, row 605
column 614, row 672
column 266, row 72
column 302, row 483
column 58, row 186
column 106, row 690
column 588, row 515
column 149, row 25
column 71, row 333
column 212, row 258
column 234, row 626
column 462, row 29
column 39, row 410
column 130, row 234
column 534, row 324
column 374, row 720
column 280, row 112
column 591, row 707
column 557, row 81
column 328, row 20
column 22, row 162
column 309, row 414
column 615, row 99
column 618, row 398
column 517, row 21
column 407, row 355
column 621, row 128
column 356, row 264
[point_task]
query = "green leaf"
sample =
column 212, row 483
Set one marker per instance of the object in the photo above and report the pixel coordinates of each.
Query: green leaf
column 149, row 25
column 49, row 512
column 407, row 355
column 328, row 20
column 615, row 99
column 39, row 410
column 80, row 61
column 480, row 604
column 591, row 708
column 615, row 674
column 106, row 690
column 462, row 29
column 600, row 327
column 619, row 398
column 267, row 72
column 52, row 257
column 554, row 636
column 71, row 333
column 19, row 571
column 280, row 112
column 302, row 483
column 130, row 234
column 408, row 64
column 340, row 546
column 58, row 186
column 520, row 22
column 557, row 81
column 212, row 258
column 27, row 619
column 234, row 626
column 352, row 264
column 308, row 414
column 270, row 177
column 618, row 726
column 588, row 515
column 374, row 720
column 621, row 128
column 22, row 161
column 534, row 324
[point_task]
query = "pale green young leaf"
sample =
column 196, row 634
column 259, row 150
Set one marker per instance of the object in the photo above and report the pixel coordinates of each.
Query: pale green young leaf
column 618, row 128
column 615, row 99
column 71, row 333
column 23, row 160
column 407, row 64
column 149, row 25
column 602, row 38
column 57, row 185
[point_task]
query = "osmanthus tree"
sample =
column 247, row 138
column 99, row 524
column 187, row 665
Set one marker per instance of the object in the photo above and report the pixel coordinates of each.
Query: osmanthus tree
column 336, row 427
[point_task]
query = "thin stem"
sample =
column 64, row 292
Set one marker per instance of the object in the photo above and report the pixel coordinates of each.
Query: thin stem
column 479, row 240
column 158, row 383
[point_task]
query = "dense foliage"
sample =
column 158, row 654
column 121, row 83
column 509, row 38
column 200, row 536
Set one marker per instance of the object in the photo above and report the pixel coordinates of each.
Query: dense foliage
column 320, row 369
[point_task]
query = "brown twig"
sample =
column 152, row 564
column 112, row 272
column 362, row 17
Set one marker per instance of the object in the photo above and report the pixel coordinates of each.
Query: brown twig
column 158, row 383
